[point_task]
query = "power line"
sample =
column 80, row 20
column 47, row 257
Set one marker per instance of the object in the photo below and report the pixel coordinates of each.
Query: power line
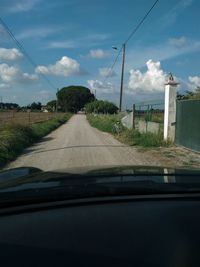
column 24, row 52
column 140, row 23
column 131, row 35
column 113, row 65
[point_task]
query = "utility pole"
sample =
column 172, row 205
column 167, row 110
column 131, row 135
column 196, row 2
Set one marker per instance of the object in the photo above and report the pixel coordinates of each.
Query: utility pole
column 57, row 101
column 1, row 102
column 122, row 76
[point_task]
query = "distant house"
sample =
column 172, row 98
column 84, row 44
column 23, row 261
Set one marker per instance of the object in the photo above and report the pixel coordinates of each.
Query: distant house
column 44, row 109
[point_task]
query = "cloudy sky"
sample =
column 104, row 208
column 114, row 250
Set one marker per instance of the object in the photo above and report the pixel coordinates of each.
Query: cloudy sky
column 71, row 43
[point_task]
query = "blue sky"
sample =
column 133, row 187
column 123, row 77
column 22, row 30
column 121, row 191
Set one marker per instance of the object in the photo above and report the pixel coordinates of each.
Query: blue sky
column 71, row 43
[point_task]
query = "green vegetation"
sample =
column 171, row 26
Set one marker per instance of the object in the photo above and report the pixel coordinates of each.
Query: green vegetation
column 51, row 105
column 104, row 123
column 109, row 123
column 35, row 106
column 74, row 98
column 190, row 95
column 135, row 138
column 100, row 106
column 14, row 138
column 154, row 117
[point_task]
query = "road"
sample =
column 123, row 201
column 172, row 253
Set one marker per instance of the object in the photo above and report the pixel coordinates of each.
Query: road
column 77, row 144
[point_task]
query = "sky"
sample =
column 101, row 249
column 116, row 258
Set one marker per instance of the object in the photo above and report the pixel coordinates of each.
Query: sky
column 70, row 42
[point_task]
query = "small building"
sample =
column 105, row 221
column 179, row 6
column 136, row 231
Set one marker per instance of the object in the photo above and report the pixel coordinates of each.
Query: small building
column 44, row 109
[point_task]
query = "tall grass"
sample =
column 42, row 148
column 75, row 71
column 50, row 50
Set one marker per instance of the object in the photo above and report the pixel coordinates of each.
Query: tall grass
column 104, row 123
column 131, row 137
column 14, row 138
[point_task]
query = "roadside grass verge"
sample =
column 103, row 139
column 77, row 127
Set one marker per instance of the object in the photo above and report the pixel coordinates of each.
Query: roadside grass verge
column 106, row 123
column 14, row 138
column 103, row 123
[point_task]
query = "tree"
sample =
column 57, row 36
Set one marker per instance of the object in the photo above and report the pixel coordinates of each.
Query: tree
column 74, row 98
column 101, row 106
column 190, row 94
column 35, row 106
column 51, row 105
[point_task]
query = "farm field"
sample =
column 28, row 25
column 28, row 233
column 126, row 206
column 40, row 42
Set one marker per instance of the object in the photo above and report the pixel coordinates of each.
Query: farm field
column 25, row 118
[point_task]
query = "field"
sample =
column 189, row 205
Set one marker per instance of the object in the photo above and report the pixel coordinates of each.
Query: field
column 25, row 118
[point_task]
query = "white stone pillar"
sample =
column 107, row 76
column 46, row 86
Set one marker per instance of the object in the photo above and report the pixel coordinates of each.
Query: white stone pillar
column 170, row 110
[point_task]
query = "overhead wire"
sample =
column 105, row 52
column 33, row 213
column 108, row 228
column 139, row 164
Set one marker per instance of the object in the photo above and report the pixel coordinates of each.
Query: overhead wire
column 131, row 35
column 24, row 52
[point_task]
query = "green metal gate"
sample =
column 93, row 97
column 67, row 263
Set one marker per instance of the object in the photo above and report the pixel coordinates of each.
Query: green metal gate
column 188, row 124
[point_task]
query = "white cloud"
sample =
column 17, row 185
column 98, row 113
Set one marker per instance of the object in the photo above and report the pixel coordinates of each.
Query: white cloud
column 106, row 72
column 4, row 86
column 98, row 53
column 178, row 42
column 96, row 37
column 12, row 74
column 158, row 52
column 194, row 80
column 61, row 44
column 10, row 54
column 150, row 81
column 19, row 6
column 64, row 67
column 172, row 15
column 38, row 32
column 4, row 36
column 106, row 88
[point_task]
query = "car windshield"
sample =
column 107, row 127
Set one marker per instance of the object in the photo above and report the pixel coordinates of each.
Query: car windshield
column 87, row 86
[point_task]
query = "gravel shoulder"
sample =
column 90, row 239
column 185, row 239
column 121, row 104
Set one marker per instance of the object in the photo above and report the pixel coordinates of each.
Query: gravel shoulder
column 77, row 144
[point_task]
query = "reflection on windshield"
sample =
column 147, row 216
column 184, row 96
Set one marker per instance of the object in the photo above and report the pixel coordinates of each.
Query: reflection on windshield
column 78, row 91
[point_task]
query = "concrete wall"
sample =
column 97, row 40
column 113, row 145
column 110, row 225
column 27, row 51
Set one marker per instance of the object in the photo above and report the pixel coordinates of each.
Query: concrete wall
column 141, row 125
column 127, row 121
column 150, row 127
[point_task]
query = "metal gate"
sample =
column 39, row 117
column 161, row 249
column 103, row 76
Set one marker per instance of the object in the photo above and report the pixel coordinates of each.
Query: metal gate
column 188, row 124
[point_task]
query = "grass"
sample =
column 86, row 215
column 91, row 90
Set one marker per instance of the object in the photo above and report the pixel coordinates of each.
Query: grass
column 154, row 117
column 131, row 137
column 104, row 123
column 14, row 138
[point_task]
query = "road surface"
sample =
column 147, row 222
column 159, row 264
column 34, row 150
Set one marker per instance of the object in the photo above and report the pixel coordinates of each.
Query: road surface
column 77, row 144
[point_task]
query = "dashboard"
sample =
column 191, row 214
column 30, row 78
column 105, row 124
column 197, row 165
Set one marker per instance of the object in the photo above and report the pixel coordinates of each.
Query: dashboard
column 142, row 231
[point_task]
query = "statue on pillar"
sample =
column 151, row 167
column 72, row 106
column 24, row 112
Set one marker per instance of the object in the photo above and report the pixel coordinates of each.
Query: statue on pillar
column 171, row 77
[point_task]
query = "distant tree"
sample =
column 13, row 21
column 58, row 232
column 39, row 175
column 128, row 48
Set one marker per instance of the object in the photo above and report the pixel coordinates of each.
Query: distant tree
column 190, row 94
column 101, row 106
column 74, row 98
column 51, row 105
column 9, row 106
column 35, row 106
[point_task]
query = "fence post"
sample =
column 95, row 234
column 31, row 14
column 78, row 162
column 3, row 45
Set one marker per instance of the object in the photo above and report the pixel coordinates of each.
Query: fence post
column 29, row 117
column 170, row 109
column 133, row 122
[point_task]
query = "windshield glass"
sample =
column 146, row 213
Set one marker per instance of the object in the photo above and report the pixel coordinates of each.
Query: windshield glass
column 98, row 84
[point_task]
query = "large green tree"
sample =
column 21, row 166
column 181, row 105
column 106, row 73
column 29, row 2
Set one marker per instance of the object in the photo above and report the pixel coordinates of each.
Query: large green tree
column 74, row 98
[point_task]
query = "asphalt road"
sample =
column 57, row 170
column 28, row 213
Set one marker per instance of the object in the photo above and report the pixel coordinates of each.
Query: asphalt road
column 77, row 144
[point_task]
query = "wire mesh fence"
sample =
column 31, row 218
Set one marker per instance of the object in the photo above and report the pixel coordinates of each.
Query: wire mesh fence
column 150, row 112
column 25, row 118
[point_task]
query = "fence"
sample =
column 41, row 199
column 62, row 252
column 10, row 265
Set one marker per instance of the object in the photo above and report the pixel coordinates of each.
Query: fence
column 146, row 117
column 10, row 117
column 188, row 124
column 149, row 112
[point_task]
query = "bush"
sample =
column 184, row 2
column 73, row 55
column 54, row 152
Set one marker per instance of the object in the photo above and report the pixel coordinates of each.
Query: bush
column 100, row 106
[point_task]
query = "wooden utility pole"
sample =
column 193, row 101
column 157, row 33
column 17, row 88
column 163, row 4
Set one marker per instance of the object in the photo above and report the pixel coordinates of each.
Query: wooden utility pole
column 122, row 76
column 57, row 101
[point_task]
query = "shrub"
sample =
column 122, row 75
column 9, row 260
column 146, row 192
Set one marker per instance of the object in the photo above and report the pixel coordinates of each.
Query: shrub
column 100, row 106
